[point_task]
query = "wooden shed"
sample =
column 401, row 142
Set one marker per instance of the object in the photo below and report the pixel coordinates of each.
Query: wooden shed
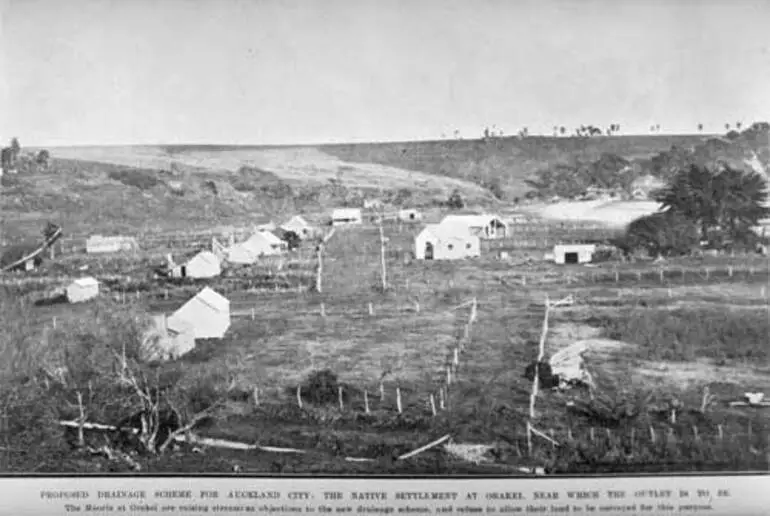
column 573, row 253
column 110, row 244
column 82, row 289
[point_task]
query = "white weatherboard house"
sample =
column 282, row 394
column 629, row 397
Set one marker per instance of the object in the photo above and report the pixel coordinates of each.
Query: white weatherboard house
column 168, row 341
column 205, row 264
column 82, row 289
column 484, row 226
column 299, row 226
column 409, row 215
column 435, row 242
column 346, row 217
column 573, row 253
column 208, row 313
column 110, row 244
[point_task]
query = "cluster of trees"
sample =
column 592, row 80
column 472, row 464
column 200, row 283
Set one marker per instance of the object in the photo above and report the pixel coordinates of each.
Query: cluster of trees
column 701, row 204
column 13, row 160
column 610, row 172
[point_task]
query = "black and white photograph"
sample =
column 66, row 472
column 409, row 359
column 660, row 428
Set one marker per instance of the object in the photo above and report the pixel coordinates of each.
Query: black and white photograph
column 385, row 238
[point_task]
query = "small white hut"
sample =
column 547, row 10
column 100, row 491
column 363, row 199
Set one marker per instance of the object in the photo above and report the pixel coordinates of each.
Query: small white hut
column 82, row 289
column 409, row 215
column 110, row 244
column 346, row 217
column 573, row 253
column 299, row 226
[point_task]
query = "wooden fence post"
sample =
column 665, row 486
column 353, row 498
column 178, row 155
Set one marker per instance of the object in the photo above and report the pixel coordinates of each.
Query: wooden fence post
column 371, row 309
column 299, row 396
column 432, row 405
column 661, row 275
column 323, row 310
column 366, row 401
column 398, row 399
column 256, row 396
column 417, row 307
column 339, row 397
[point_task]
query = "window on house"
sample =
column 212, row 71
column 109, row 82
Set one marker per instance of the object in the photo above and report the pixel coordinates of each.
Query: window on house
column 467, row 246
column 450, row 247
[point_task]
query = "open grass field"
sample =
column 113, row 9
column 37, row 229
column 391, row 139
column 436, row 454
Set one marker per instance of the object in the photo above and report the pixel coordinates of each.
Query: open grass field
column 658, row 337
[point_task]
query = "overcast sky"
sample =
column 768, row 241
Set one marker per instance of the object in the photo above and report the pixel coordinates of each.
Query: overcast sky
column 264, row 71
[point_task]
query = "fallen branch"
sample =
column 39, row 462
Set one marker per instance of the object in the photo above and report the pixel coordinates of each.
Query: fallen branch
column 358, row 459
column 98, row 426
column 424, row 448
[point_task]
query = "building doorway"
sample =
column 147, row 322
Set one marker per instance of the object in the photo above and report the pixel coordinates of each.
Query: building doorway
column 428, row 251
column 570, row 258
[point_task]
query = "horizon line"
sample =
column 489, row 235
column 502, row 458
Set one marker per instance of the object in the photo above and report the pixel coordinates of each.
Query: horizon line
column 374, row 142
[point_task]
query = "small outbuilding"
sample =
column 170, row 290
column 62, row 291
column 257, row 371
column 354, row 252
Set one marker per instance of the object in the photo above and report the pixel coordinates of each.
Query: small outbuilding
column 435, row 242
column 346, row 217
column 82, row 289
column 208, row 313
column 409, row 215
column 110, row 244
column 573, row 253
column 205, row 264
column 166, row 340
column 299, row 226
column 372, row 204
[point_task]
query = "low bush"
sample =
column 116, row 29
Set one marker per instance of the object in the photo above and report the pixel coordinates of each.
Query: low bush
column 687, row 334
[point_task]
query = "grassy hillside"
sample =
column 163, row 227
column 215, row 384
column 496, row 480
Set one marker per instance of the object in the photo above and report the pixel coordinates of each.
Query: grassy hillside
column 120, row 188
column 511, row 159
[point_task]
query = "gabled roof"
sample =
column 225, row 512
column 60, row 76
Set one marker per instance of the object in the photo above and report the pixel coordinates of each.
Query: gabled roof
column 297, row 220
column 442, row 232
column 85, row 282
column 261, row 237
column 346, row 213
column 206, row 256
column 213, row 299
